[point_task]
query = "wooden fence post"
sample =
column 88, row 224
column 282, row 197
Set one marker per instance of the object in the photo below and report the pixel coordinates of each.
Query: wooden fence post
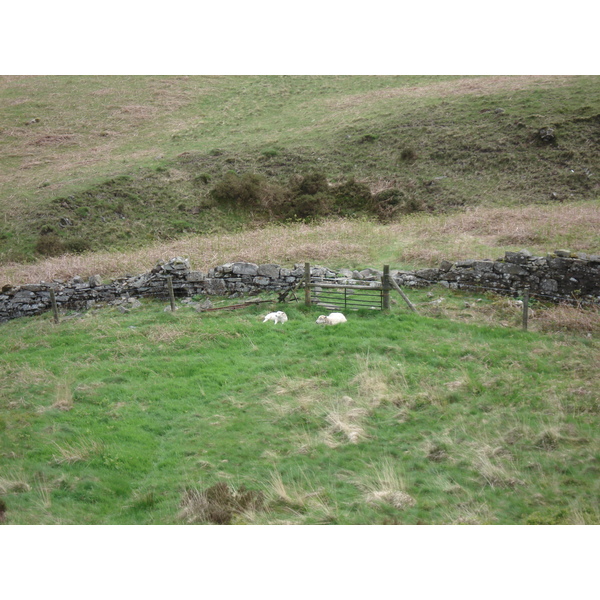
column 385, row 285
column 171, row 293
column 54, row 306
column 525, row 307
column 307, row 284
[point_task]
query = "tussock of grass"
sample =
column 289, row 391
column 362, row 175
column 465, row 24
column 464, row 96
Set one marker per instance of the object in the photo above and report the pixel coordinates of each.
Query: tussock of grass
column 13, row 486
column 345, row 418
column 385, row 485
column 218, row 504
column 471, row 513
column 80, row 451
column 299, row 498
column 64, row 396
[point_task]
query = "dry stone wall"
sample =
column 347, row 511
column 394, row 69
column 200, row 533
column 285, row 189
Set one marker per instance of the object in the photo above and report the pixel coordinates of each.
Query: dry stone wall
column 558, row 276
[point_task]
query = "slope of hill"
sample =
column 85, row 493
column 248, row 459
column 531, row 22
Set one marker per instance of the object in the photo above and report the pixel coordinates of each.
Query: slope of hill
column 94, row 163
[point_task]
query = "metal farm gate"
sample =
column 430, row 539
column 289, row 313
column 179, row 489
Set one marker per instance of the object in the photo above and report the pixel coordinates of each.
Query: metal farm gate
column 347, row 297
column 338, row 296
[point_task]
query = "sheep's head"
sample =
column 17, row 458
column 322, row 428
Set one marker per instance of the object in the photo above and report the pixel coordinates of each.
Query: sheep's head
column 322, row 319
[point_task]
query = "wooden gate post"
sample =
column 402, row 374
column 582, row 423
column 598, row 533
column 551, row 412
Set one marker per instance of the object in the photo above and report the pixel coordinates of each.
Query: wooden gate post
column 385, row 285
column 525, row 307
column 171, row 293
column 54, row 306
column 307, row 284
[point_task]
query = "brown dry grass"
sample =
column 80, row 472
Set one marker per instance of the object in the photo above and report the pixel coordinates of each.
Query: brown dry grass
column 64, row 396
column 12, row 485
column 474, row 85
column 416, row 241
column 77, row 452
column 386, row 485
column 569, row 318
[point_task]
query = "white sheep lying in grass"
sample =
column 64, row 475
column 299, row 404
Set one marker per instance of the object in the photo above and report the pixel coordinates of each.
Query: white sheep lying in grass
column 332, row 319
column 276, row 317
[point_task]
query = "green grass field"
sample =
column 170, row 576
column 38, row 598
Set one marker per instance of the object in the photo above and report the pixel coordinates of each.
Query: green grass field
column 154, row 417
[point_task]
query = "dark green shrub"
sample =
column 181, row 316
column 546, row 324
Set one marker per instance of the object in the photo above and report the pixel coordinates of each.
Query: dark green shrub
column 393, row 202
column 353, row 196
column 203, row 178
column 307, row 207
column 50, row 244
column 311, row 183
column 77, row 245
column 274, row 198
column 408, row 155
column 244, row 191
column 368, row 138
column 388, row 203
column 270, row 152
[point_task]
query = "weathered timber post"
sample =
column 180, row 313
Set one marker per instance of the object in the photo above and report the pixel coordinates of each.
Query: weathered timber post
column 171, row 293
column 385, row 286
column 404, row 296
column 307, row 284
column 525, row 307
column 54, row 306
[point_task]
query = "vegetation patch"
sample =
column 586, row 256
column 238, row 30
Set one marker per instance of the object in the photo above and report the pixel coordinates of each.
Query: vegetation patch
column 219, row 504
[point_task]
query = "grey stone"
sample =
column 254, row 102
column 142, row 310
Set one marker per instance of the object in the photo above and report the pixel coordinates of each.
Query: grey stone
column 271, row 271
column 509, row 269
column 371, row 274
column 483, row 265
column 261, row 281
column 195, row 276
column 427, row 274
column 241, row 268
column 215, row 287
column 549, row 285
column 521, row 257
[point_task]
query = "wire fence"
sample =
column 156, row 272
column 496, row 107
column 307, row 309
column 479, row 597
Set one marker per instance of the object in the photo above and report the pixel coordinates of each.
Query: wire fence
column 517, row 292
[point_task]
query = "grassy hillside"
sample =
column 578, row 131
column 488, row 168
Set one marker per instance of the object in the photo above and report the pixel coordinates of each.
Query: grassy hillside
column 94, row 163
